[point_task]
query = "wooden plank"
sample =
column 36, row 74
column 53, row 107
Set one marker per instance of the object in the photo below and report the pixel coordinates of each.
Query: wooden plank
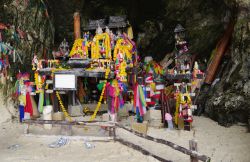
column 168, row 143
column 142, row 150
column 61, row 122
column 178, row 76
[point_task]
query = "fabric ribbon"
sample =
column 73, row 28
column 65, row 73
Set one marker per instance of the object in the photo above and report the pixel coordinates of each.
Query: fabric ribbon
column 28, row 107
column 140, row 99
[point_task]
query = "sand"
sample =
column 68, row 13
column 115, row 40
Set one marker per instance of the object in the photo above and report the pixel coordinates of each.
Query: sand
column 220, row 143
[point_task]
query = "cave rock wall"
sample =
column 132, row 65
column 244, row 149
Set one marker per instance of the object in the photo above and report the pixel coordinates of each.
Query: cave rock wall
column 228, row 100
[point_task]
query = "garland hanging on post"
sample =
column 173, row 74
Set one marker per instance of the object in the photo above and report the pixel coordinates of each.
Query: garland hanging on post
column 66, row 114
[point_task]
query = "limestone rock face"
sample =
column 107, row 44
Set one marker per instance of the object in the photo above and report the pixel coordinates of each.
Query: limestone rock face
column 29, row 31
column 32, row 19
column 153, row 21
column 228, row 100
column 7, row 109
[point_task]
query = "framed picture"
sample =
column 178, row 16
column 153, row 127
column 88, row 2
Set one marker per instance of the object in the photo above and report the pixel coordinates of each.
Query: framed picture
column 65, row 82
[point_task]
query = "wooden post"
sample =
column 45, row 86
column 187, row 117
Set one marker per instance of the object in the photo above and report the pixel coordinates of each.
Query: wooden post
column 55, row 102
column 162, row 109
column 249, row 121
column 73, row 98
column 109, row 129
column 44, row 52
column 26, row 128
column 114, row 132
column 193, row 147
column 77, row 25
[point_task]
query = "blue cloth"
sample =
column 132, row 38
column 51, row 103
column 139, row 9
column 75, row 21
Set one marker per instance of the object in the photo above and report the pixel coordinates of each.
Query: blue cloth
column 139, row 118
column 21, row 112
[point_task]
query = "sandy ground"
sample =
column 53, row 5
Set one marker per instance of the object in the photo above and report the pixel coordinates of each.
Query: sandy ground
column 220, row 143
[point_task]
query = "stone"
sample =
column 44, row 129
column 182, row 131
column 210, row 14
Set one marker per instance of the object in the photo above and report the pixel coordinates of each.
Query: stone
column 123, row 112
column 246, row 88
column 132, row 119
column 58, row 116
column 156, row 123
column 105, row 117
column 140, row 127
column 154, row 118
column 75, row 110
column 5, row 113
column 152, row 115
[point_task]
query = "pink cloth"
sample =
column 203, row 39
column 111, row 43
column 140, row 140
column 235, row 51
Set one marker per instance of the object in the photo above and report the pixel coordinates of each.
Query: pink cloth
column 168, row 116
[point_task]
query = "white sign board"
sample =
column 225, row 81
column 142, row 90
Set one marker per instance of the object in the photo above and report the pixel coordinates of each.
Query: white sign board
column 65, row 81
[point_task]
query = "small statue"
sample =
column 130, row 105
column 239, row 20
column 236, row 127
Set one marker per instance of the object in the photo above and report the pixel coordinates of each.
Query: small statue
column 99, row 30
column 34, row 63
column 107, row 30
column 86, row 36
column 180, row 44
column 64, row 48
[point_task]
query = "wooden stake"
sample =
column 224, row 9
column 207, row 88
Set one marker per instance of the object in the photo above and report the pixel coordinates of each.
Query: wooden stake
column 77, row 25
column 26, row 128
column 193, row 147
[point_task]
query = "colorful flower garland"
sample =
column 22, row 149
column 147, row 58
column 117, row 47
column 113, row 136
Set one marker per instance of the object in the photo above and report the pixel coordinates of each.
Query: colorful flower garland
column 79, row 47
column 125, row 47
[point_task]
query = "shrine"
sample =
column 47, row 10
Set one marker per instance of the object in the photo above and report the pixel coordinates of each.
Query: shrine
column 124, row 80
column 101, row 73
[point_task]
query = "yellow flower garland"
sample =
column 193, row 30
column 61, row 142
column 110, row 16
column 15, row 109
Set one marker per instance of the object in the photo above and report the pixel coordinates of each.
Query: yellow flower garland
column 38, row 82
column 101, row 97
column 66, row 114
column 122, row 71
column 177, row 105
column 95, row 47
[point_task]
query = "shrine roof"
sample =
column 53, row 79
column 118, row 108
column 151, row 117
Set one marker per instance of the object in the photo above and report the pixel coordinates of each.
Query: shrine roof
column 110, row 22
